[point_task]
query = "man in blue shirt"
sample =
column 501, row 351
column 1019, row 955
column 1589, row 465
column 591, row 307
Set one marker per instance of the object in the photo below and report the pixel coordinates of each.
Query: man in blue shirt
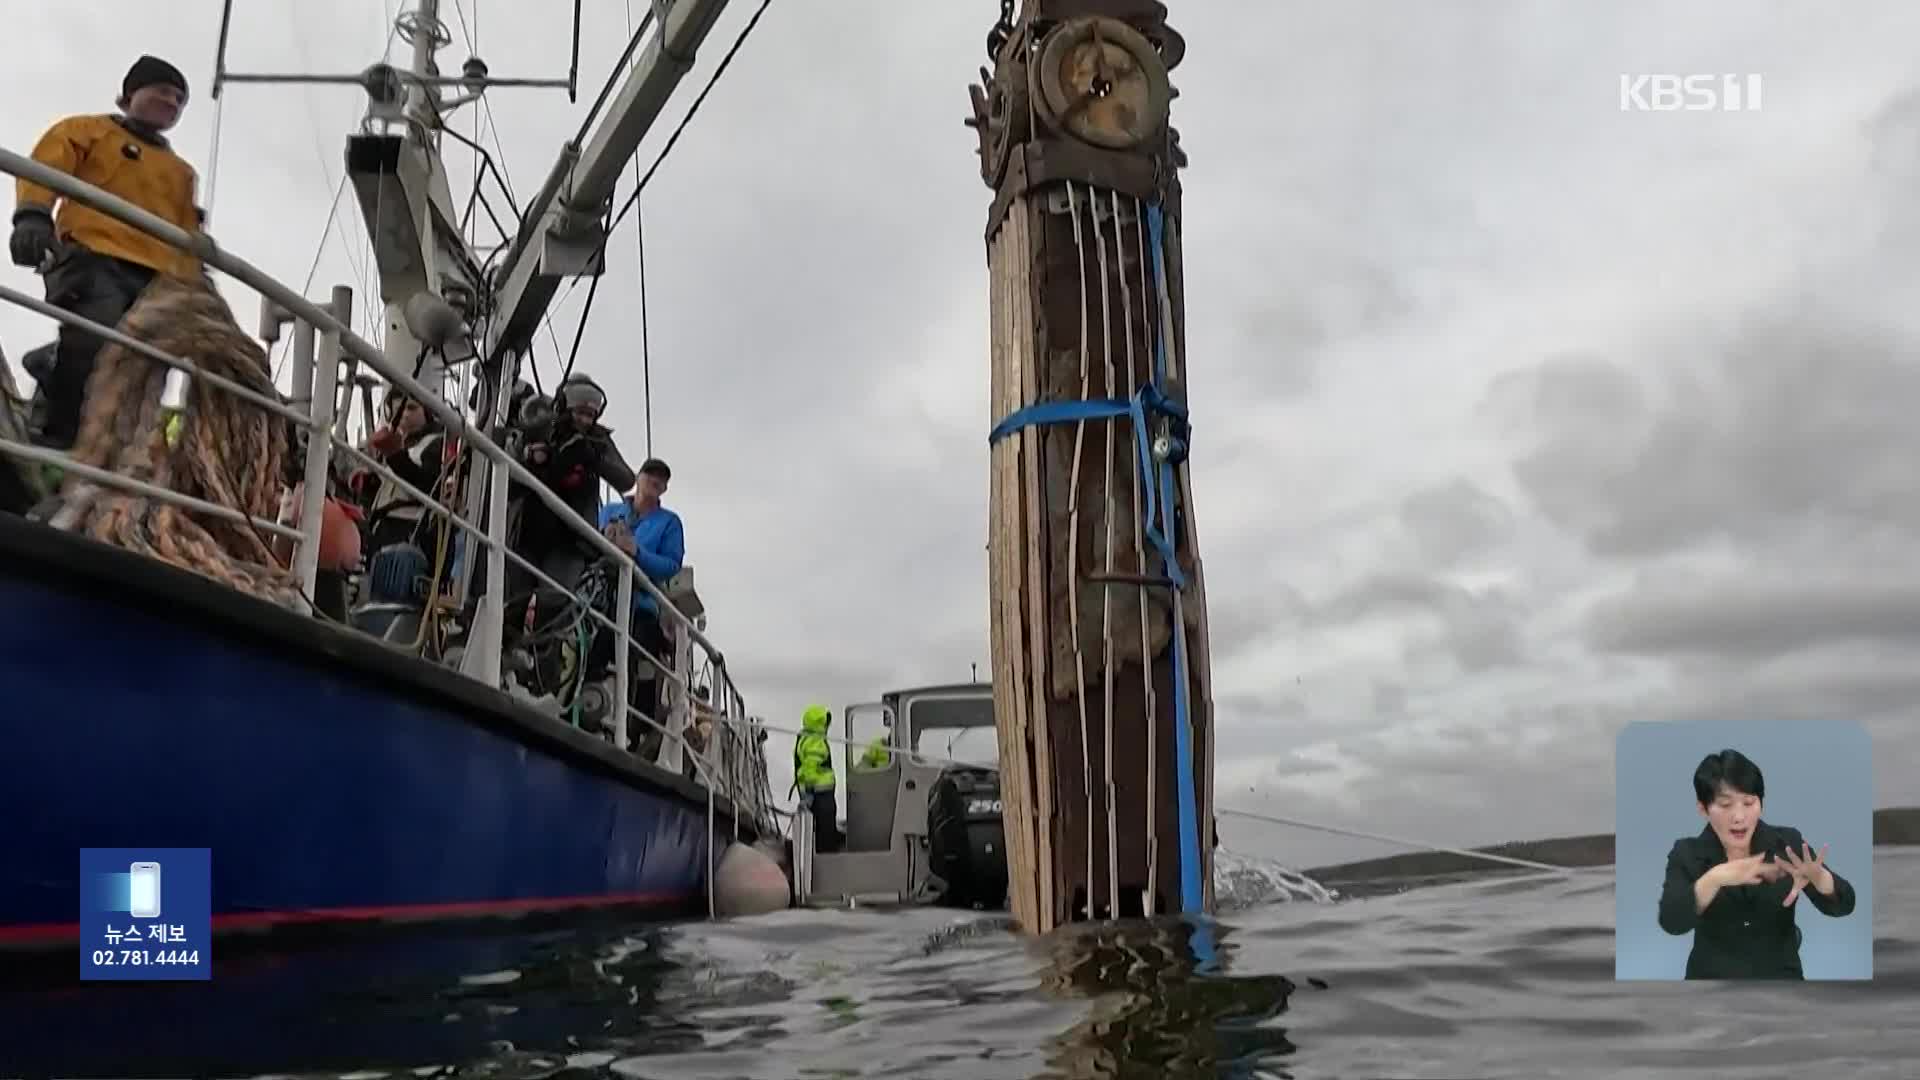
column 653, row 535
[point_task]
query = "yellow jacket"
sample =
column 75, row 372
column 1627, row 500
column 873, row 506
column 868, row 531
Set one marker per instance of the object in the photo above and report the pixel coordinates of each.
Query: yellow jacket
column 101, row 152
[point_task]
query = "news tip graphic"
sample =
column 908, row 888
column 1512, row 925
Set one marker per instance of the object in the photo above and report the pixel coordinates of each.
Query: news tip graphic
column 146, row 914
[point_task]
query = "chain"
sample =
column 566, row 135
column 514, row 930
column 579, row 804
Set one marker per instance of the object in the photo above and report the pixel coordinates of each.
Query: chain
column 1001, row 31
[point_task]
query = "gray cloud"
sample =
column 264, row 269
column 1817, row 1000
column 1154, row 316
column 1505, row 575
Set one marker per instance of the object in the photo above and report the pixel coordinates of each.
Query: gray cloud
column 1451, row 521
column 1799, row 423
column 1744, row 618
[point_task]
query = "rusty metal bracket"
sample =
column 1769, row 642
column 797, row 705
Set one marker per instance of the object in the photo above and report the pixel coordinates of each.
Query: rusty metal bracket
column 1149, row 17
column 1024, row 144
column 1036, row 164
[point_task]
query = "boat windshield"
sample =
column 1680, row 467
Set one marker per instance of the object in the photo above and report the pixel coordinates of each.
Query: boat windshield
column 971, row 745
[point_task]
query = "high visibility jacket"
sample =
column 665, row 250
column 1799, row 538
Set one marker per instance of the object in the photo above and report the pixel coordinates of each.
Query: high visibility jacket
column 877, row 755
column 812, row 754
column 102, row 151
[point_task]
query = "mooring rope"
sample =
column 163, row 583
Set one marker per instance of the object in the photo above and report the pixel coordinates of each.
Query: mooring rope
column 226, row 452
column 1415, row 845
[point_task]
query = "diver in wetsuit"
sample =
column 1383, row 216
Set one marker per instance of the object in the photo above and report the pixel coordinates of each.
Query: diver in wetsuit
column 571, row 452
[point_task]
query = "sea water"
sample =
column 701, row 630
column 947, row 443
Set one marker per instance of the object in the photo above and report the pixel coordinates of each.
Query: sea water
column 1502, row 976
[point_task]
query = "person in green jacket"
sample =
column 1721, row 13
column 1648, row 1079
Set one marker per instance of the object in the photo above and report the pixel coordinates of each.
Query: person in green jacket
column 813, row 777
column 879, row 753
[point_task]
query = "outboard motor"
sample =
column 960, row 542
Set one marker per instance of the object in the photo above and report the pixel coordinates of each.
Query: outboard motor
column 966, row 838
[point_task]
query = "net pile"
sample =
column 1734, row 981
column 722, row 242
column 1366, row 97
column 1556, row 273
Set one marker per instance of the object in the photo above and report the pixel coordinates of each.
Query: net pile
column 227, row 451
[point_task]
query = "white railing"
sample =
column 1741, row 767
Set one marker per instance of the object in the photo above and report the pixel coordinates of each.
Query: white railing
column 729, row 759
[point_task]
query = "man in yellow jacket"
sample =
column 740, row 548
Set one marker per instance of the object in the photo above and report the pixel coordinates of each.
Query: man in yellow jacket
column 813, row 777
column 94, row 265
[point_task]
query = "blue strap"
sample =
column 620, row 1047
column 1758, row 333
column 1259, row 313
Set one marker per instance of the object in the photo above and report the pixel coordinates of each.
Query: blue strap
column 1148, row 399
column 1057, row 412
column 1192, row 889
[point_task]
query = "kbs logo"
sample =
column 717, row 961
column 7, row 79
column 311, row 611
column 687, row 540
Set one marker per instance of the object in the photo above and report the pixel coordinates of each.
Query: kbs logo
column 1690, row 93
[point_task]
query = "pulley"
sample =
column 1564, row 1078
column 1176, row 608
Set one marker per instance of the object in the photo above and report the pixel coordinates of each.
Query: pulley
column 1102, row 82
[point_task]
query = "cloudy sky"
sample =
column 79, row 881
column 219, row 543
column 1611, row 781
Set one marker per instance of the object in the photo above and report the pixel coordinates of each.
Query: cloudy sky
column 1518, row 417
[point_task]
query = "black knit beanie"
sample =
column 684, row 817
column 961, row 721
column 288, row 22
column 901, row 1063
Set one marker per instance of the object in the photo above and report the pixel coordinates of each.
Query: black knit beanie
column 151, row 71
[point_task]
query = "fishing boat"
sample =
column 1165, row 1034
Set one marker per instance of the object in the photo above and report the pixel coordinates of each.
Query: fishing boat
column 390, row 770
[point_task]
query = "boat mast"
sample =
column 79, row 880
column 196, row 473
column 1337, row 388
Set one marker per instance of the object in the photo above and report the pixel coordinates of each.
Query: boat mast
column 430, row 279
column 1100, row 660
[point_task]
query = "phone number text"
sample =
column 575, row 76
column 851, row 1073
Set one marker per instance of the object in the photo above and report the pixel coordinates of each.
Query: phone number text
column 138, row 957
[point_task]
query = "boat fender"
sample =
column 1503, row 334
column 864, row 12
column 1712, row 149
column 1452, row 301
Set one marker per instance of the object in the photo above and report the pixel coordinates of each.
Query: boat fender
column 748, row 881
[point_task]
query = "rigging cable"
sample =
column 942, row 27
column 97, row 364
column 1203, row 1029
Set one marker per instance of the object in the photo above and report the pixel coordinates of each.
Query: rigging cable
column 470, row 30
column 646, row 351
column 719, row 70
column 213, row 159
column 580, row 332
column 640, row 246
column 634, row 34
column 633, row 199
column 219, row 108
column 1416, row 845
column 333, row 210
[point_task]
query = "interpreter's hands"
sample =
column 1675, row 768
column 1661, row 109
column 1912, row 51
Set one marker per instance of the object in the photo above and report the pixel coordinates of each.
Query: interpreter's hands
column 622, row 538
column 1751, row 870
column 386, row 441
column 1808, row 869
column 537, row 453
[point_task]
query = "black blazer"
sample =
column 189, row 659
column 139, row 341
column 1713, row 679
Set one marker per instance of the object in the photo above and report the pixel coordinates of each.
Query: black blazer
column 1745, row 933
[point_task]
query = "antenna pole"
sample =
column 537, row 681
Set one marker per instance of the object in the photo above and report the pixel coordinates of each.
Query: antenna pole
column 423, row 95
column 1100, row 663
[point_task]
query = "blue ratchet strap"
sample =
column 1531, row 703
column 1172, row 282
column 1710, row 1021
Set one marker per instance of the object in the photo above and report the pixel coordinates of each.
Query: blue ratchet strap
column 1192, row 889
column 1148, row 399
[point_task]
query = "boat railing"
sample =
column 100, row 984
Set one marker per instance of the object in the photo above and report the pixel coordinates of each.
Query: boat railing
column 728, row 758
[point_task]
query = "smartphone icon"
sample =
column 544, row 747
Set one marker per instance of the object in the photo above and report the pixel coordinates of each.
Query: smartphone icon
column 144, row 895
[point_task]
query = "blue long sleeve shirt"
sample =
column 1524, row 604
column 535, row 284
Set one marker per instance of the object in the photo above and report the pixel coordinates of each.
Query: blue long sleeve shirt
column 659, row 546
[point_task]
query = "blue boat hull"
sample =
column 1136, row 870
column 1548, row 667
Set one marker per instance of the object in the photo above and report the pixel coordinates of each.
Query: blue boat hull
column 336, row 783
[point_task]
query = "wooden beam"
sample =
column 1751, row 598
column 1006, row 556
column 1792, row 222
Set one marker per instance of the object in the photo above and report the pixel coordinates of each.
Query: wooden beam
column 1084, row 167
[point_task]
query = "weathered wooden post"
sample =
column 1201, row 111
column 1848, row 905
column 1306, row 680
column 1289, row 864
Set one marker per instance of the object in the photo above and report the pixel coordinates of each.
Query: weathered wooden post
column 1100, row 660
